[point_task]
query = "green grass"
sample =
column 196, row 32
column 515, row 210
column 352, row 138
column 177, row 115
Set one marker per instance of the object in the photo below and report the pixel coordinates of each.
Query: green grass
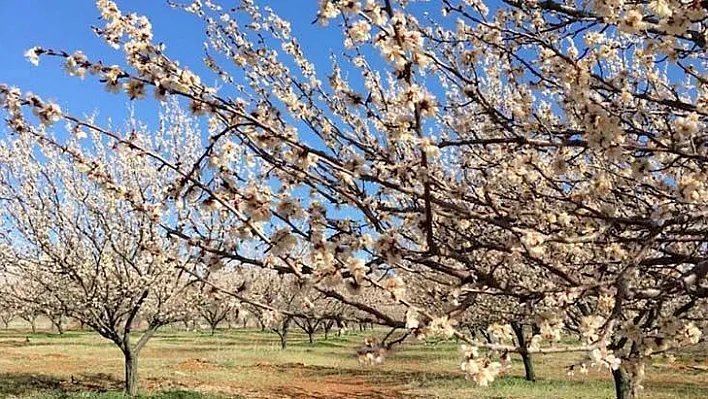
column 250, row 364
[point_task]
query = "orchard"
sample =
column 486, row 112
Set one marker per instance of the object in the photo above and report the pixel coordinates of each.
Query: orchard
column 521, row 177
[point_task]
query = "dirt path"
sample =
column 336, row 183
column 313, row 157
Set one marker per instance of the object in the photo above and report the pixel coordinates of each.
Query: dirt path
column 282, row 381
column 319, row 382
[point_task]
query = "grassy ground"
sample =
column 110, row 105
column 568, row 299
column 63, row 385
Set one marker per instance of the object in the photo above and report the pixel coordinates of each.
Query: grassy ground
column 250, row 364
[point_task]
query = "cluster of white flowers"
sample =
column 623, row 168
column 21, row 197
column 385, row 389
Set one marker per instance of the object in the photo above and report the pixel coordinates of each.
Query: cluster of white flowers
column 550, row 326
column 481, row 370
column 358, row 269
column 589, row 326
column 283, row 241
column 443, row 326
column 605, row 358
column 395, row 286
column 503, row 332
column 11, row 99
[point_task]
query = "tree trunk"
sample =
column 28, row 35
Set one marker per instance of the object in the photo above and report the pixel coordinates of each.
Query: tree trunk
column 59, row 326
column 525, row 355
column 528, row 366
column 623, row 384
column 487, row 336
column 131, row 373
column 34, row 326
column 309, row 336
column 213, row 329
column 283, row 339
column 284, row 333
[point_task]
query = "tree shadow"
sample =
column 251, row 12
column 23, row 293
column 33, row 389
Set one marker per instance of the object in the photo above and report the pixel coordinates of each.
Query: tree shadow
column 22, row 383
column 16, row 384
column 23, row 343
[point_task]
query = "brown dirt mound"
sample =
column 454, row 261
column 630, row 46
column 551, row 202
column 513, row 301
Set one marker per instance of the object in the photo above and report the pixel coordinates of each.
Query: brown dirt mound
column 197, row 364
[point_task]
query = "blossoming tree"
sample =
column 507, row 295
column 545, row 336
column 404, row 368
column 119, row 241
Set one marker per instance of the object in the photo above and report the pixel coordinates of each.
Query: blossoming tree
column 87, row 253
column 214, row 306
column 7, row 309
column 544, row 152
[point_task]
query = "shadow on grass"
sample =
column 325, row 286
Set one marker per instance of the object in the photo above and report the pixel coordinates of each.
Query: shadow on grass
column 321, row 344
column 26, row 383
column 43, row 334
column 19, row 384
column 24, row 343
column 13, row 344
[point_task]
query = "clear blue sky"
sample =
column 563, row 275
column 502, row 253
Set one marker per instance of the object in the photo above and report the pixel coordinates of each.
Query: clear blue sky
column 66, row 25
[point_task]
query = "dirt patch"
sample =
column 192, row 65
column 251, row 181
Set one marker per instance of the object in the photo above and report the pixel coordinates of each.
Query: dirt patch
column 99, row 382
column 49, row 364
column 315, row 382
column 56, row 356
column 197, row 365
column 161, row 384
column 281, row 381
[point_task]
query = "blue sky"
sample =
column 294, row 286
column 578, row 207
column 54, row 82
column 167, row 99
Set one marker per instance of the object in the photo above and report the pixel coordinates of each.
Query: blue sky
column 66, row 25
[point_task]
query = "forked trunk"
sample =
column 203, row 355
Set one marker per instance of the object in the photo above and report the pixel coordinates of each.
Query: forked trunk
column 60, row 327
column 130, row 354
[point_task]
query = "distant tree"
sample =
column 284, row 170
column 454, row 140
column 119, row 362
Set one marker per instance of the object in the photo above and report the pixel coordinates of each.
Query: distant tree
column 7, row 311
column 216, row 307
